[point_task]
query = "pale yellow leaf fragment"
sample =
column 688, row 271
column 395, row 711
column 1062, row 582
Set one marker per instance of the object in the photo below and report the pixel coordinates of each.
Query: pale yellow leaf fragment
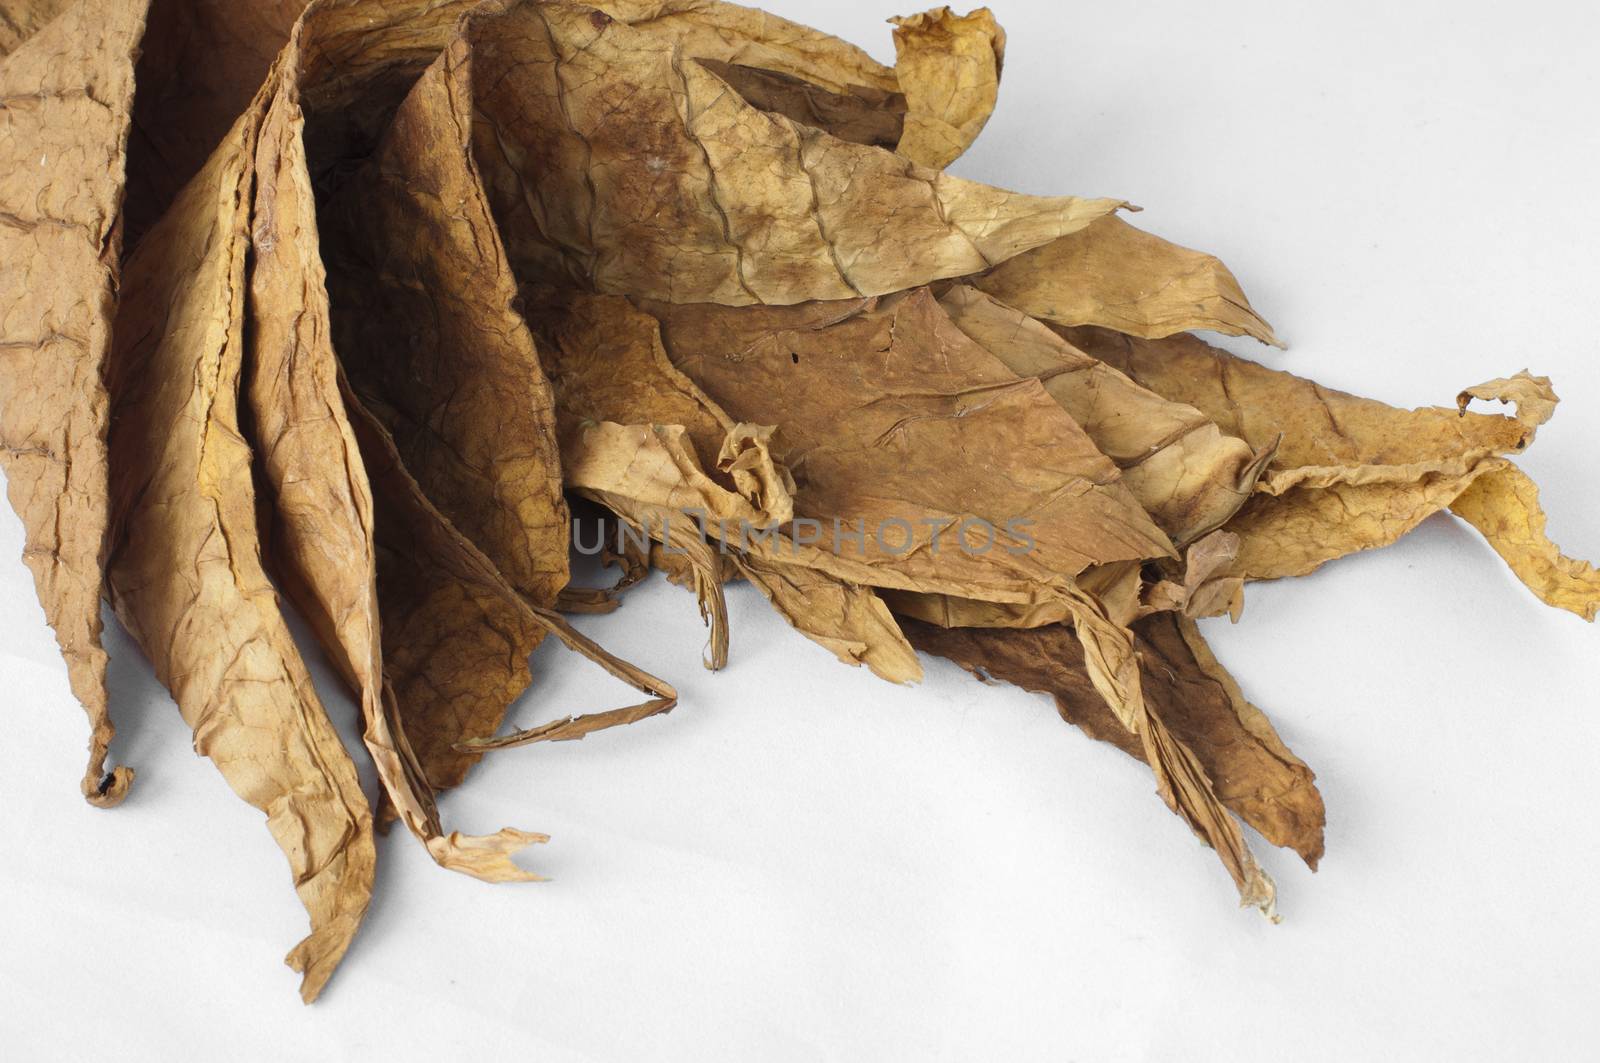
column 948, row 67
column 1504, row 505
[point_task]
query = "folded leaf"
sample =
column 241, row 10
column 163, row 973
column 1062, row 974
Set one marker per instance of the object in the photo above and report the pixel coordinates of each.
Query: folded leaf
column 428, row 334
column 1352, row 473
column 457, row 636
column 957, row 475
column 948, row 66
column 607, row 364
column 315, row 485
column 613, row 164
column 755, row 39
column 1115, row 276
column 1183, row 470
column 185, row 572
column 63, row 142
column 1503, row 504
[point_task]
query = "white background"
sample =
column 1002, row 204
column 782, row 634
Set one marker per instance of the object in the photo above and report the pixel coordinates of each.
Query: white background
column 803, row 862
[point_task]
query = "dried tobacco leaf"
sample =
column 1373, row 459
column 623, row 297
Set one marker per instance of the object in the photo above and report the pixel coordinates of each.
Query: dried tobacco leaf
column 607, row 364
column 1255, row 774
column 422, row 312
column 1503, row 504
column 929, row 108
column 875, row 398
column 427, row 331
column 948, row 66
column 613, row 165
column 778, row 65
column 1353, row 473
column 316, row 487
column 184, row 570
column 457, row 636
column 1113, row 275
column 860, row 115
column 67, row 100
column 1176, row 462
column 201, row 64
column 695, row 209
column 894, row 416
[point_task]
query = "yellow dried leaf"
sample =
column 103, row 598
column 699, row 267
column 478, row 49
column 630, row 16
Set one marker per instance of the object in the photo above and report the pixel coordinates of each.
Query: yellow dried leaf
column 948, row 66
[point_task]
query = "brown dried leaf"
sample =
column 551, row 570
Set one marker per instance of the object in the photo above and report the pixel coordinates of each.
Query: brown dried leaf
column 778, row 65
column 1254, row 774
column 607, row 364
column 319, row 500
column 1183, row 470
column 1114, row 275
column 202, row 63
column 893, row 416
column 1205, row 589
column 427, row 331
column 68, row 95
column 185, row 571
column 457, row 636
column 1353, row 473
column 754, row 39
column 614, row 165
column 849, row 620
column 948, row 66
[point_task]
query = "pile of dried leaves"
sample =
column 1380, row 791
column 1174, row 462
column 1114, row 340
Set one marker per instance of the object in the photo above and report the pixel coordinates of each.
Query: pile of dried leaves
column 346, row 300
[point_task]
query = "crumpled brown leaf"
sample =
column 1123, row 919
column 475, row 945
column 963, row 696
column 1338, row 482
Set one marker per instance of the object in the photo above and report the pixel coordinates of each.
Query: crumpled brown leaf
column 184, row 569
column 457, row 636
column 1353, row 473
column 67, row 100
column 428, row 334
column 316, row 484
column 1113, row 275
column 613, row 165
column 606, row 361
column 948, row 67
column 401, row 270
column 873, row 396
column 1188, row 474
column 1254, row 773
